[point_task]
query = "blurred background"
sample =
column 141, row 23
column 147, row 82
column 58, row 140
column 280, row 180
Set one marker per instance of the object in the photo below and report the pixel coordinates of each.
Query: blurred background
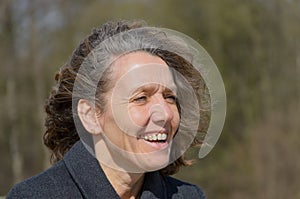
column 255, row 44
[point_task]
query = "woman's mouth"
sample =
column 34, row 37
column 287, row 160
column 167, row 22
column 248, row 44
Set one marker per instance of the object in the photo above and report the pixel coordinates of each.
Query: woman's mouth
column 156, row 137
column 158, row 140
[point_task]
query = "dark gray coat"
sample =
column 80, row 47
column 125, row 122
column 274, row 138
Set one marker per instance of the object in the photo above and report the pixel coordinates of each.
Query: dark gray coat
column 79, row 175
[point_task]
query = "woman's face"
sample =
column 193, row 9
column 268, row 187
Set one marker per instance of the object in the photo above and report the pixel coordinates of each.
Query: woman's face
column 141, row 115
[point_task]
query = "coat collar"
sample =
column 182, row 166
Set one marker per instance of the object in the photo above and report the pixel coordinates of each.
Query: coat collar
column 93, row 183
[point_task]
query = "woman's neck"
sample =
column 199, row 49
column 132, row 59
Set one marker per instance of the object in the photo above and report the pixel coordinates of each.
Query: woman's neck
column 127, row 185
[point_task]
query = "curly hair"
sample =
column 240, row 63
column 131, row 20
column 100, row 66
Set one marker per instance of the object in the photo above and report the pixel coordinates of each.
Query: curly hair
column 61, row 132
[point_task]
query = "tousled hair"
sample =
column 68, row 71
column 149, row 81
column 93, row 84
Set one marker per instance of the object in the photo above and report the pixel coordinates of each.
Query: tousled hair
column 61, row 133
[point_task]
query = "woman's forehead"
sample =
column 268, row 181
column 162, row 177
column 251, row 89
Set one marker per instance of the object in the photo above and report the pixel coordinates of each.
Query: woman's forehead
column 129, row 61
column 144, row 75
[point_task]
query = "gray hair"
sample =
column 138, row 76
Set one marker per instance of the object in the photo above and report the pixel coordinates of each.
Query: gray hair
column 93, row 74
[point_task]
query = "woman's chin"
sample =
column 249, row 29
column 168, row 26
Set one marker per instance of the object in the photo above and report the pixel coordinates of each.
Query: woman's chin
column 154, row 161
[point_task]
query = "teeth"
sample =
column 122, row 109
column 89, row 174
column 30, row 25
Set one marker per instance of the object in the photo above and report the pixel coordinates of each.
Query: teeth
column 163, row 136
column 154, row 137
column 159, row 136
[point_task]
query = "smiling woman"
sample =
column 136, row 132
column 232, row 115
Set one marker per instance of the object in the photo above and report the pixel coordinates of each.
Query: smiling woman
column 125, row 109
column 138, row 107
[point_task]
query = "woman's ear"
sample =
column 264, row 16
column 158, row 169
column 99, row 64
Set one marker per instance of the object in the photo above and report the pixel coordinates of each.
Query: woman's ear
column 88, row 117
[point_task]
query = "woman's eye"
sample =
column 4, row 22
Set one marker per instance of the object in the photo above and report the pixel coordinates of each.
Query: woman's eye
column 171, row 98
column 140, row 99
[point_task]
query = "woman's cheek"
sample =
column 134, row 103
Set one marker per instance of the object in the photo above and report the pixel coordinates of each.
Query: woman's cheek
column 139, row 116
column 176, row 117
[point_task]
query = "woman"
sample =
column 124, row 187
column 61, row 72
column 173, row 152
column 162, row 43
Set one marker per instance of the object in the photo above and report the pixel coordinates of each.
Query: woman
column 124, row 110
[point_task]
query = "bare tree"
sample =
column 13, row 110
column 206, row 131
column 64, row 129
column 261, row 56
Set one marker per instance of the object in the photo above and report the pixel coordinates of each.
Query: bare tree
column 11, row 95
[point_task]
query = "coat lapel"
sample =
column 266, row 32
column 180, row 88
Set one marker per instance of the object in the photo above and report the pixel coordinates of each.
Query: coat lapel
column 87, row 174
column 154, row 186
column 93, row 183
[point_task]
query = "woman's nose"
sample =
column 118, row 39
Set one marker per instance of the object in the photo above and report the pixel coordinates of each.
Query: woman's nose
column 161, row 112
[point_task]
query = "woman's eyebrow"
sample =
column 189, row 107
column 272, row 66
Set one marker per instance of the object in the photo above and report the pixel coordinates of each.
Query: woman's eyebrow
column 147, row 88
column 173, row 89
column 151, row 88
